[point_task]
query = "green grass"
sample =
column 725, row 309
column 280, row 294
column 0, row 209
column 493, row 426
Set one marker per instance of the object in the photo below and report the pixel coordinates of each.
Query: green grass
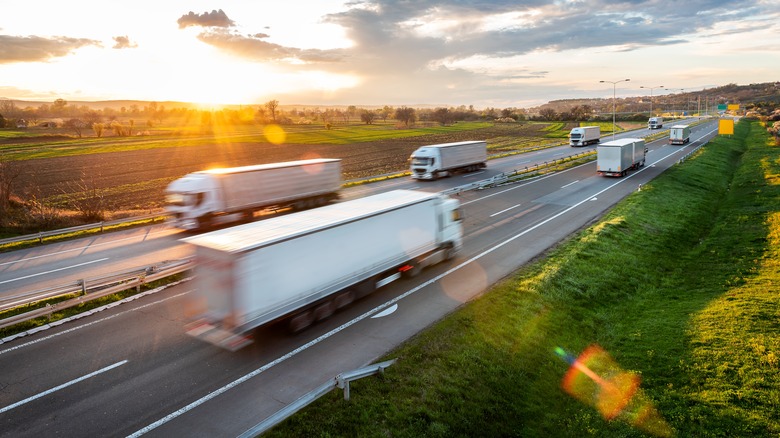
column 678, row 283
column 45, row 146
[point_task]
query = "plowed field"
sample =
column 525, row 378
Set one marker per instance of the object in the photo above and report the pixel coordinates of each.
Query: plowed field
column 136, row 179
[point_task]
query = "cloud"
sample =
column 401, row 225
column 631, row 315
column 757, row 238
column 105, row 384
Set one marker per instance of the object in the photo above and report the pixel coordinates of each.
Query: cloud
column 123, row 42
column 38, row 49
column 207, row 19
column 255, row 47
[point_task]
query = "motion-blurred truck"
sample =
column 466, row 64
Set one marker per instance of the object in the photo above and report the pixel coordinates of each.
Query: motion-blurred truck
column 300, row 268
column 584, row 135
column 679, row 134
column 438, row 160
column 617, row 157
column 655, row 123
column 203, row 199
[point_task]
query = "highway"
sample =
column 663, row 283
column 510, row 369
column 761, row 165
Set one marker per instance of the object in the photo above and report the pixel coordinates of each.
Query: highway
column 131, row 371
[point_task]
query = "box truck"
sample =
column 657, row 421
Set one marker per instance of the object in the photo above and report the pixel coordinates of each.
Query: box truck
column 617, row 157
column 302, row 267
column 679, row 134
column 202, row 199
column 655, row 123
column 584, row 135
column 434, row 161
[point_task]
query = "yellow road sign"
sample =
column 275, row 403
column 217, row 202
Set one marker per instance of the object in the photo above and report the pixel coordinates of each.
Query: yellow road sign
column 726, row 126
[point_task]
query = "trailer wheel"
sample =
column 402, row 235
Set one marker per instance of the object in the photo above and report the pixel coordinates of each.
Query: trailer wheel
column 300, row 321
column 324, row 310
column 344, row 299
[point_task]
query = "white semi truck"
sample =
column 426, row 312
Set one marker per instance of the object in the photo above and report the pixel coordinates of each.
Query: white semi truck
column 202, row 199
column 679, row 134
column 302, row 267
column 655, row 123
column 617, row 157
column 584, row 135
column 438, row 160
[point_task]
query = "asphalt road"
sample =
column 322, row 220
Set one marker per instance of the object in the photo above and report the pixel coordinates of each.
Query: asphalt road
column 130, row 370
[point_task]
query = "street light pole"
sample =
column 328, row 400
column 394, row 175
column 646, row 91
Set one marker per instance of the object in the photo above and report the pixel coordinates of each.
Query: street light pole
column 651, row 96
column 614, row 84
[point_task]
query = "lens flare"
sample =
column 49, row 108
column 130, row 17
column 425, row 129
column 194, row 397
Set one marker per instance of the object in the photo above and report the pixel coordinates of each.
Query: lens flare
column 597, row 380
column 274, row 134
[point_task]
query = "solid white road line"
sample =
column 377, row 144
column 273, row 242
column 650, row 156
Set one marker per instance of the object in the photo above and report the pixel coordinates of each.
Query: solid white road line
column 53, row 270
column 64, row 385
column 504, row 210
column 567, row 185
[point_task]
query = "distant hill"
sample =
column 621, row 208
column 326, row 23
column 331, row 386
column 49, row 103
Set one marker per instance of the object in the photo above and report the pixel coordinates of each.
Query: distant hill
column 732, row 93
column 744, row 95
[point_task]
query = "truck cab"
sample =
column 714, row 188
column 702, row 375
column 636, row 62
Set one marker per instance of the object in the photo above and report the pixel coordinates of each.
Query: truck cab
column 451, row 229
column 425, row 163
column 191, row 199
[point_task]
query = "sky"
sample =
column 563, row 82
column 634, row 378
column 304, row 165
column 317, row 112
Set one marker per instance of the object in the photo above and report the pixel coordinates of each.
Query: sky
column 386, row 52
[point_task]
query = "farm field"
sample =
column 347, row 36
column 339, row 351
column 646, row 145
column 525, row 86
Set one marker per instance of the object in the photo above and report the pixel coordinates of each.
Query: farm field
column 132, row 172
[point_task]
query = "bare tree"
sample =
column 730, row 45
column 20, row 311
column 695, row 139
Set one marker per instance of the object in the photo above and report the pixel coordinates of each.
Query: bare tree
column 272, row 105
column 87, row 198
column 367, row 116
column 77, row 125
column 8, row 173
column 405, row 115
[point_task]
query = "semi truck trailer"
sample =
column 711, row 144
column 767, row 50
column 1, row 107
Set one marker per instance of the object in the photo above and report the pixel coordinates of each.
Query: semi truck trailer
column 438, row 160
column 617, row 157
column 302, row 267
column 679, row 134
column 584, row 135
column 202, row 199
column 655, row 123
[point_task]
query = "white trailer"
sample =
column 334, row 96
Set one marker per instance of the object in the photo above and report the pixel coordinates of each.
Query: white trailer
column 679, row 134
column 617, row 157
column 584, row 135
column 655, row 123
column 302, row 267
column 202, row 199
column 434, row 161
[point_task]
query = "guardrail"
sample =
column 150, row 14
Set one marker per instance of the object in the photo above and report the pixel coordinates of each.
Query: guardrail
column 90, row 289
column 97, row 225
column 506, row 177
column 340, row 381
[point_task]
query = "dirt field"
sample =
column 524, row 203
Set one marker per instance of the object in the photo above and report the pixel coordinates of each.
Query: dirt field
column 136, row 180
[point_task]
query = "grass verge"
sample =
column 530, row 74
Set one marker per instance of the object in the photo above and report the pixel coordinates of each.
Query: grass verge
column 677, row 284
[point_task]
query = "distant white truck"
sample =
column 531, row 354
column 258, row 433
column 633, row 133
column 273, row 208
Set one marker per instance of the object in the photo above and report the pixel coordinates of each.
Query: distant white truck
column 617, row 157
column 655, row 123
column 202, row 199
column 584, row 135
column 679, row 134
column 438, row 160
column 302, row 267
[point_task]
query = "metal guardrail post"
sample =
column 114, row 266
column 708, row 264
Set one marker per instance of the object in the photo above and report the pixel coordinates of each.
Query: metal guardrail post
column 341, row 381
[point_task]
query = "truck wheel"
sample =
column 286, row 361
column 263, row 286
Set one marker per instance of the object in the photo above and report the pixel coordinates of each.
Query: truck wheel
column 204, row 222
column 413, row 271
column 324, row 310
column 300, row 321
column 449, row 253
column 344, row 299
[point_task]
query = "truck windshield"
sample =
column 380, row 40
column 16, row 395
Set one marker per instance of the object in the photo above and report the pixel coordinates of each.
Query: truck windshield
column 421, row 161
column 183, row 199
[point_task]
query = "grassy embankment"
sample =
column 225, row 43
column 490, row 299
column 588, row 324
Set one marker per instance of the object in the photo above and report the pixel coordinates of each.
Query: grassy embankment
column 678, row 284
